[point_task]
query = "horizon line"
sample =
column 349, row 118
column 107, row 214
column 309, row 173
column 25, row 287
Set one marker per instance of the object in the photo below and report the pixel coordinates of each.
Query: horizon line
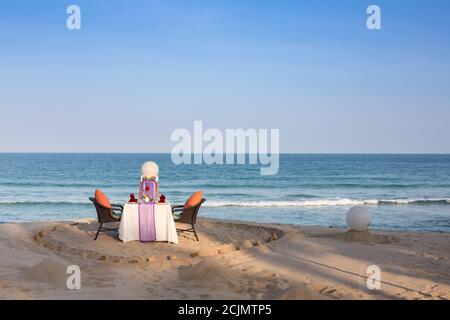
column 281, row 153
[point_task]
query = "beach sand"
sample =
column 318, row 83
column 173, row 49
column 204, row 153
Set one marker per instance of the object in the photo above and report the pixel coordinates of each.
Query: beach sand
column 233, row 260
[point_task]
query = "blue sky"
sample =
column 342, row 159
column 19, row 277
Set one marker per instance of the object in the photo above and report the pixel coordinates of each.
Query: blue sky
column 139, row 69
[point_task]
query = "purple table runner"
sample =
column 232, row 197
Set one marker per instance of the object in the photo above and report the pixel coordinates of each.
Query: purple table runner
column 147, row 230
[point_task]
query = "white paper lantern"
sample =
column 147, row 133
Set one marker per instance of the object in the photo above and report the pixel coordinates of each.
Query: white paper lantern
column 149, row 169
column 359, row 218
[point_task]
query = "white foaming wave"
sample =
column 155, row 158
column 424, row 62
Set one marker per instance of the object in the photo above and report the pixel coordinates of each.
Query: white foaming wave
column 285, row 203
column 322, row 202
column 44, row 202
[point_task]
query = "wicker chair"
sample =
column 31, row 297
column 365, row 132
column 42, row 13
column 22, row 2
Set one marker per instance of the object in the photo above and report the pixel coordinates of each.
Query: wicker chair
column 107, row 215
column 187, row 216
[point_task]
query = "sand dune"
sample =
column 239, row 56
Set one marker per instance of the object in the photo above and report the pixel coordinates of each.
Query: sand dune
column 232, row 261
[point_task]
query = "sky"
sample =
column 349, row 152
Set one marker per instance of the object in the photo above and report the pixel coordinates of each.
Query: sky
column 138, row 70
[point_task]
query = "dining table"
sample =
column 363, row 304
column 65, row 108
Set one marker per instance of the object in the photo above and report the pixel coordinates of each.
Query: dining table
column 147, row 222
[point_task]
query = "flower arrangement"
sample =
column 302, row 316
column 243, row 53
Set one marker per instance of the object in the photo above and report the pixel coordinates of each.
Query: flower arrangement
column 132, row 198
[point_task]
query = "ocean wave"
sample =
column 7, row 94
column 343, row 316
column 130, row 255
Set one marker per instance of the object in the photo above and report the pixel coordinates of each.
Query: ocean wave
column 34, row 203
column 275, row 203
column 65, row 185
column 324, row 203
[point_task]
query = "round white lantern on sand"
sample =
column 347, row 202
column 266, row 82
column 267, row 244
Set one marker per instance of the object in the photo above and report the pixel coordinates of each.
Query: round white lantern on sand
column 149, row 169
column 359, row 218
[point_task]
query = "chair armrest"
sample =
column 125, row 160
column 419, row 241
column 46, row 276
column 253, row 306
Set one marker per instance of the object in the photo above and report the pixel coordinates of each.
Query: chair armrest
column 117, row 209
column 116, row 215
column 177, row 209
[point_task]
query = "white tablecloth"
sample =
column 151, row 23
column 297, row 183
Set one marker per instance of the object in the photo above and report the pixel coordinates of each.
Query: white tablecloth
column 164, row 223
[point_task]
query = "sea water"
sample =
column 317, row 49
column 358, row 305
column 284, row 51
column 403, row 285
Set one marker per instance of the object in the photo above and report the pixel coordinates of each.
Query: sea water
column 404, row 192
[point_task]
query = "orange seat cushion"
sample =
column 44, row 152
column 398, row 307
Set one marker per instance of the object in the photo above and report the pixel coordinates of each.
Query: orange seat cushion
column 193, row 200
column 102, row 199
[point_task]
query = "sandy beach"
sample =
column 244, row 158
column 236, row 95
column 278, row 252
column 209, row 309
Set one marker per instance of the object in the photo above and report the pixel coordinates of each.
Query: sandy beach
column 233, row 260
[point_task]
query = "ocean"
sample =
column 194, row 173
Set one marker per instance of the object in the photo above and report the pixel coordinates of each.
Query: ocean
column 403, row 192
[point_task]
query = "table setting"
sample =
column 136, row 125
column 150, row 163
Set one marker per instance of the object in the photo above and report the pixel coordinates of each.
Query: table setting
column 148, row 218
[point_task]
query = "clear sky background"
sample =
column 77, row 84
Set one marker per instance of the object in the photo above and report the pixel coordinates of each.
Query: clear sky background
column 139, row 69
